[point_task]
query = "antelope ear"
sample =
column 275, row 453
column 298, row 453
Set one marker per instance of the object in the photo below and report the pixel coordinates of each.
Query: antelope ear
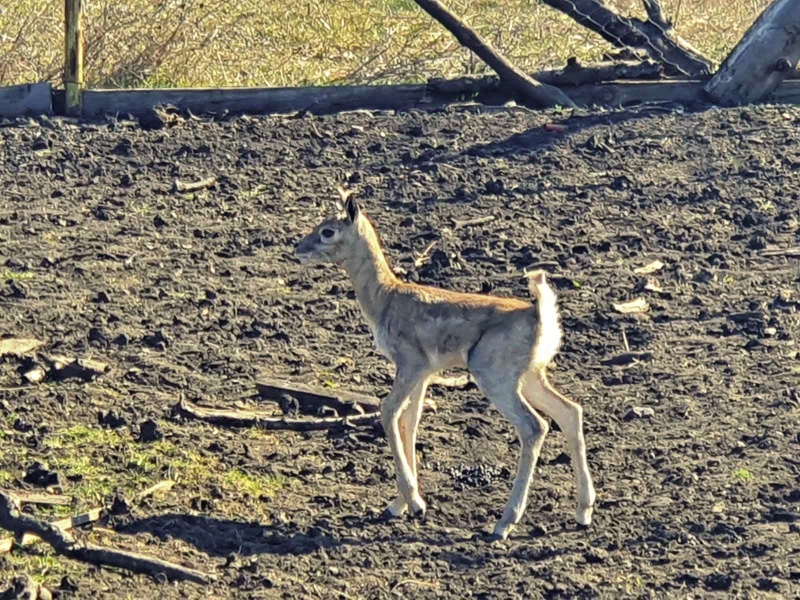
column 351, row 206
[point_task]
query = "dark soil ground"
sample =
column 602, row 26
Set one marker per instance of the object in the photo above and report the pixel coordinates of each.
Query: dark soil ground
column 197, row 294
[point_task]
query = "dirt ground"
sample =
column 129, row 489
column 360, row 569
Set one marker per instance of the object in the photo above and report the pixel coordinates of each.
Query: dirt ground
column 694, row 445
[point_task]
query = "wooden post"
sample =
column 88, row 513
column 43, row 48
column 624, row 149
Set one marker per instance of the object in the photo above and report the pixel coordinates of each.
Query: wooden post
column 516, row 80
column 73, row 56
column 763, row 58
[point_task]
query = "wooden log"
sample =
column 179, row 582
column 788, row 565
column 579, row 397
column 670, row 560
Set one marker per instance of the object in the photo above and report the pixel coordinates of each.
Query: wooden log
column 633, row 93
column 395, row 97
column 28, row 99
column 655, row 36
column 763, row 58
column 73, row 56
column 575, row 73
column 528, row 88
column 312, row 99
column 572, row 75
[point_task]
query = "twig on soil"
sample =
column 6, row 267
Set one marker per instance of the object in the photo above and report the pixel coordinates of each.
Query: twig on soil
column 790, row 252
column 470, row 222
column 459, row 381
column 627, row 358
column 625, row 341
column 422, row 258
column 45, row 499
column 182, row 187
column 64, row 524
column 65, row 544
column 165, row 485
column 249, row 418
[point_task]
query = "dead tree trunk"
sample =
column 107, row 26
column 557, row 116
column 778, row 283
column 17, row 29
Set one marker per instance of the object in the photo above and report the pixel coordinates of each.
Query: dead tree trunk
column 765, row 56
column 521, row 83
column 655, row 36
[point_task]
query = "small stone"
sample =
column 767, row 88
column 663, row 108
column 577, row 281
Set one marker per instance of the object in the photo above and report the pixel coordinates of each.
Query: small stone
column 149, row 432
column 111, row 419
column 102, row 298
column 35, row 375
column 120, row 505
column 595, row 556
column 719, row 582
column 67, row 585
column 639, row 412
column 770, row 331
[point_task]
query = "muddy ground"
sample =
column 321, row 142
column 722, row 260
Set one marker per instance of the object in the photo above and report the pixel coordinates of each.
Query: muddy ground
column 694, row 446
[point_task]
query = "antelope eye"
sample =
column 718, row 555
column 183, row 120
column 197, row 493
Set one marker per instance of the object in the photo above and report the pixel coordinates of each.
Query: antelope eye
column 327, row 233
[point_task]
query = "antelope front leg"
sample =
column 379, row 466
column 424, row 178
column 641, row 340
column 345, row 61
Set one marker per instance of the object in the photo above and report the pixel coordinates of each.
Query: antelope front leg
column 408, row 426
column 392, row 408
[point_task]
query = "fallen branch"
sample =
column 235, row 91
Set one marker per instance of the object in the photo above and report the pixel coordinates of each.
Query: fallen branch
column 575, row 73
column 528, row 88
column 655, row 36
column 472, row 222
column 90, row 516
column 311, row 400
column 790, row 252
column 458, row 381
column 66, row 545
column 250, row 418
column 183, row 188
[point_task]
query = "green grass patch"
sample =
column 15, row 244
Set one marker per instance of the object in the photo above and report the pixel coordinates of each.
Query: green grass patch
column 255, row 486
column 9, row 275
column 743, row 475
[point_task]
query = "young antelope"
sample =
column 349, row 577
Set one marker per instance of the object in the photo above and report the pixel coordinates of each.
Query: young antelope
column 505, row 343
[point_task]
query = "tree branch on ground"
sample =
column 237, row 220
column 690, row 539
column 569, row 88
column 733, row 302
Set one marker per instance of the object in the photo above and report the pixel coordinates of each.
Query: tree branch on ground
column 655, row 36
column 65, row 544
column 522, row 84
column 250, row 418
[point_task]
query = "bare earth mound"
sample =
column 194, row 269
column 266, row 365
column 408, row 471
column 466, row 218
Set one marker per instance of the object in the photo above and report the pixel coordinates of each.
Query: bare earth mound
column 694, row 440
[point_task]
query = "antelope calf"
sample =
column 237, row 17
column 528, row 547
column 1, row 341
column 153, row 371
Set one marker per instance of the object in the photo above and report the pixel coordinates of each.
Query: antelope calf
column 505, row 343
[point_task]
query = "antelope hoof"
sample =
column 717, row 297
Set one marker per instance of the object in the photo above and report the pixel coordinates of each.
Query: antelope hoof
column 501, row 531
column 583, row 515
column 395, row 509
column 418, row 509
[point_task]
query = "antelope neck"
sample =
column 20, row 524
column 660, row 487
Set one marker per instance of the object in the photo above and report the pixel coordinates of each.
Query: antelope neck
column 370, row 274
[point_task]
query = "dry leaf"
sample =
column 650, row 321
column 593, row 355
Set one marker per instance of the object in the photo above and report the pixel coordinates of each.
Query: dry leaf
column 652, row 267
column 639, row 305
column 653, row 286
column 18, row 346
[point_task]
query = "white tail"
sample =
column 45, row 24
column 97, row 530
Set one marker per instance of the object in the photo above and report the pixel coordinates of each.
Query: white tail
column 548, row 334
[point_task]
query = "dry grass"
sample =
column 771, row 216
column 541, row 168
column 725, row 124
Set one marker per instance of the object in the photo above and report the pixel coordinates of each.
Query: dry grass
column 268, row 43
